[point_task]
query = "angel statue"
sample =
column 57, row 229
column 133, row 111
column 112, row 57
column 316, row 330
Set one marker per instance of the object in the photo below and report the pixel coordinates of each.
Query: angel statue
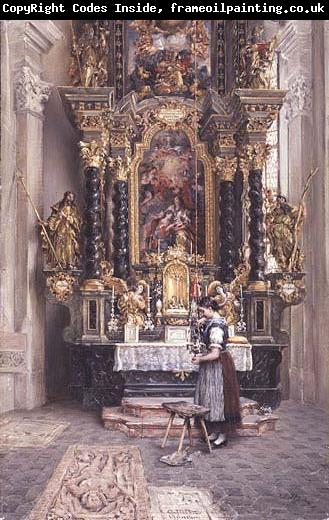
column 63, row 230
column 256, row 61
column 132, row 304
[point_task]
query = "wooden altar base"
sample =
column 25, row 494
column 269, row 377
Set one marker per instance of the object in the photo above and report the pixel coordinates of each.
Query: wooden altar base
column 145, row 417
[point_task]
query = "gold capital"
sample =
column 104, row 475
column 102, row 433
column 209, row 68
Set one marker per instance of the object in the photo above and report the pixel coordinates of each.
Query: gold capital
column 256, row 154
column 92, row 154
column 226, row 168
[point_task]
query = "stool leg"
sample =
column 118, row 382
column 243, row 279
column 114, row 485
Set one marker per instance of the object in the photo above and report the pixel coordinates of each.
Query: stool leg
column 203, row 426
column 182, row 436
column 171, row 418
column 189, row 429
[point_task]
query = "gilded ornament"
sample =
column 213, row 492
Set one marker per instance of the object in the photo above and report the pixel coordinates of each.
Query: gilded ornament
column 256, row 61
column 226, row 168
column 61, row 286
column 284, row 223
column 228, row 304
column 61, row 234
column 290, row 290
column 257, row 155
column 92, row 154
column 182, row 375
column 90, row 53
column 133, row 304
column 111, row 281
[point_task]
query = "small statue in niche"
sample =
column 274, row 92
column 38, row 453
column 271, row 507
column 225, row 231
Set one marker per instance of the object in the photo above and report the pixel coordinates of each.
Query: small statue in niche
column 90, row 50
column 63, row 228
column 256, row 61
column 132, row 304
column 283, row 225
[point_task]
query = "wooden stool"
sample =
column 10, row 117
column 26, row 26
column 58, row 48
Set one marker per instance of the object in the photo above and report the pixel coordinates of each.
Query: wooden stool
column 186, row 411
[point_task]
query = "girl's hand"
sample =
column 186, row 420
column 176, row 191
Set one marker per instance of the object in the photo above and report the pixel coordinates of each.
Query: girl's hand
column 196, row 359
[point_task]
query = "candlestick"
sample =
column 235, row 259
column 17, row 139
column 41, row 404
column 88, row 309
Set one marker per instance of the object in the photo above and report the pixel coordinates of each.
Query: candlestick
column 159, row 247
column 112, row 292
column 241, row 293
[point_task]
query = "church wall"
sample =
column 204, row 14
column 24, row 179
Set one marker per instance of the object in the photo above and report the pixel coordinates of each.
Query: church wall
column 303, row 146
column 24, row 94
column 61, row 173
column 320, row 229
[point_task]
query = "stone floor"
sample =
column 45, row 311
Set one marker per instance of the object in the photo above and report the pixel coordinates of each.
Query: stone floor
column 283, row 475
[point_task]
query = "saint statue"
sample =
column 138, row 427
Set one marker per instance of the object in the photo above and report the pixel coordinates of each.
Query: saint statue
column 283, row 224
column 63, row 229
column 256, row 61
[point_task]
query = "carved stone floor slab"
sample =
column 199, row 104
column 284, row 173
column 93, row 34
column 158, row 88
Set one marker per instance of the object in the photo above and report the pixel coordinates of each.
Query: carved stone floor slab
column 96, row 483
column 183, row 503
column 29, row 433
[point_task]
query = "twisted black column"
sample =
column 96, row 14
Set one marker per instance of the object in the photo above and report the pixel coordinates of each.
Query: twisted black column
column 121, row 230
column 227, row 236
column 257, row 233
column 93, row 232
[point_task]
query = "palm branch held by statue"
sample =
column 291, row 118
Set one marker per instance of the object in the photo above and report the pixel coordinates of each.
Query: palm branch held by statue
column 60, row 232
column 42, row 224
column 283, row 223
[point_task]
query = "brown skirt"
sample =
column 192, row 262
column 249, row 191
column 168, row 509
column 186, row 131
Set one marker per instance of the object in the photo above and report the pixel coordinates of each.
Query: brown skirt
column 231, row 398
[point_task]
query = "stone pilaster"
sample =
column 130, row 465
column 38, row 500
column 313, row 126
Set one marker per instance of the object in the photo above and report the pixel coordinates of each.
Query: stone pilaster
column 23, row 44
column 297, row 144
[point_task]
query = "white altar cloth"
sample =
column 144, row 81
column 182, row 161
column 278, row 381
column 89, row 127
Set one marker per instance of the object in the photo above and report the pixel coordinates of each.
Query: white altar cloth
column 153, row 356
column 242, row 355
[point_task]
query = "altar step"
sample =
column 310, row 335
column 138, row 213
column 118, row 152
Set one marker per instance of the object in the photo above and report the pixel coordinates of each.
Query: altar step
column 145, row 417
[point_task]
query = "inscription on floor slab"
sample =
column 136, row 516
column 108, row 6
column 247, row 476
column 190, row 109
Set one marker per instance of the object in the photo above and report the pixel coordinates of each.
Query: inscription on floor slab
column 96, row 483
column 183, row 503
column 26, row 433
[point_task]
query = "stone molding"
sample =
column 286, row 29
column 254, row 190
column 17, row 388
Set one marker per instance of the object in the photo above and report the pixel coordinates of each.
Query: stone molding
column 12, row 361
column 30, row 91
column 298, row 101
column 295, row 38
column 34, row 35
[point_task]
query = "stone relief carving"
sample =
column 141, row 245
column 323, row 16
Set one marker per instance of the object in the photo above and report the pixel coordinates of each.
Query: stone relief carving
column 31, row 92
column 96, row 483
column 12, row 359
column 299, row 99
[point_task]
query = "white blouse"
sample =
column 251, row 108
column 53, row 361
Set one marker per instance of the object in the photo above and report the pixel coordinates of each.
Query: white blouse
column 216, row 338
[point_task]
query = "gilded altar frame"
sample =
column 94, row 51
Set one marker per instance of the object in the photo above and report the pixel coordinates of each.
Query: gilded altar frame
column 202, row 154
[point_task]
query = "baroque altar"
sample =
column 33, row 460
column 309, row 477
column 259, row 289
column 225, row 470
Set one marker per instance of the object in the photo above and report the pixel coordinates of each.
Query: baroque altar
column 173, row 118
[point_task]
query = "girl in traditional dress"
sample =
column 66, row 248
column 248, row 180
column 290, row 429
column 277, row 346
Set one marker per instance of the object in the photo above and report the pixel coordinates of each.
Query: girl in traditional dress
column 217, row 386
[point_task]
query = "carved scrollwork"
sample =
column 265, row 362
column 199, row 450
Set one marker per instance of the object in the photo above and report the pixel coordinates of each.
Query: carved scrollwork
column 61, row 285
column 257, row 155
column 31, row 92
column 11, row 359
column 291, row 291
column 226, row 168
column 92, row 154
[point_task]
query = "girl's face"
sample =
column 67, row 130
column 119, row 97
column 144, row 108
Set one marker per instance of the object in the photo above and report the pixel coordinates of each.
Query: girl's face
column 206, row 312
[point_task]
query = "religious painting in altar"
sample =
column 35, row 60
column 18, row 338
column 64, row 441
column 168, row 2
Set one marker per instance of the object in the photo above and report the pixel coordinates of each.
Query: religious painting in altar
column 171, row 195
column 169, row 57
